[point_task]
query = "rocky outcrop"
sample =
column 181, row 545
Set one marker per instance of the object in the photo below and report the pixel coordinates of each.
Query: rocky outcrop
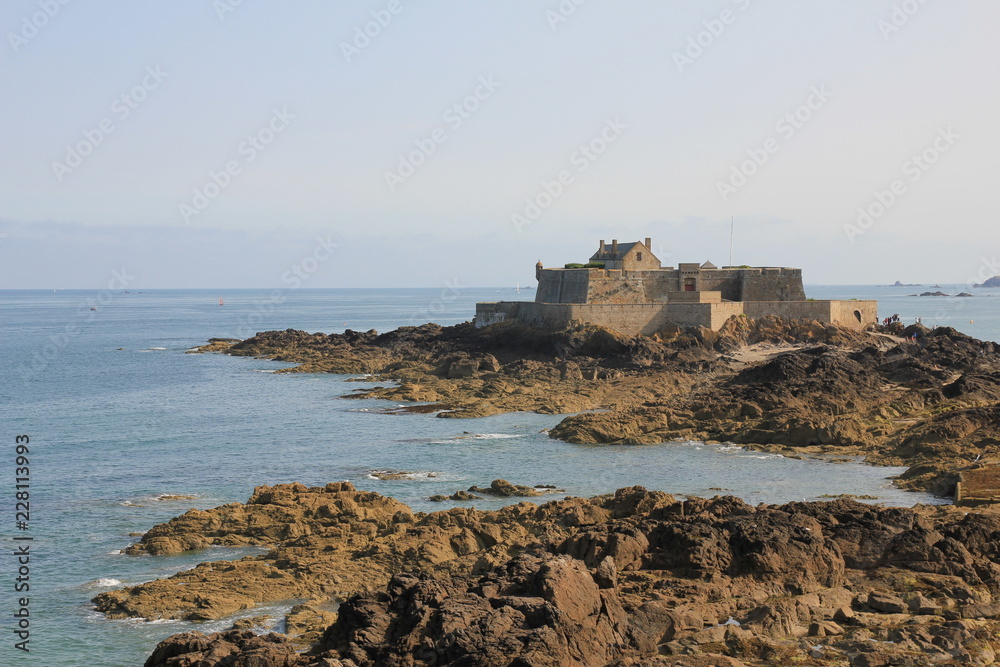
column 793, row 386
column 642, row 578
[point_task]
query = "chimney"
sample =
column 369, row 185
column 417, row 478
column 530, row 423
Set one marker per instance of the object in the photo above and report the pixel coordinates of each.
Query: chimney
column 614, row 247
column 600, row 250
column 649, row 243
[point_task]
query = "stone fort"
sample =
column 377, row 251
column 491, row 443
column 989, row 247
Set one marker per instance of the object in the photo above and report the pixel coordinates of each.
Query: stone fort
column 624, row 287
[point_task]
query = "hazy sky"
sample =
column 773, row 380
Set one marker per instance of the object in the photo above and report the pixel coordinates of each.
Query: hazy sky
column 403, row 143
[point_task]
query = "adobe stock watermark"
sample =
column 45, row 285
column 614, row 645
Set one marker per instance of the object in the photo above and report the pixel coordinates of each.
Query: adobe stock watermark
column 562, row 12
column 786, row 127
column 33, row 24
column 454, row 117
column 372, row 30
column 713, row 29
column 913, row 169
column 899, row 17
column 585, row 155
column 433, row 310
column 87, row 311
column 247, row 150
column 296, row 276
column 121, row 108
column 225, row 7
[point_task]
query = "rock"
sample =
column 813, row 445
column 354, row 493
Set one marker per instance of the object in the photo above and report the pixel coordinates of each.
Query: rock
column 463, row 369
column 489, row 364
column 236, row 648
column 504, row 489
column 844, row 615
column 611, row 580
column 825, row 629
column 919, row 604
column 885, row 603
column 990, row 282
column 534, row 610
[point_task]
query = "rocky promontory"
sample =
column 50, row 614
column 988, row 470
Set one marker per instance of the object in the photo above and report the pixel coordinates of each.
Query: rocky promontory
column 911, row 396
column 636, row 577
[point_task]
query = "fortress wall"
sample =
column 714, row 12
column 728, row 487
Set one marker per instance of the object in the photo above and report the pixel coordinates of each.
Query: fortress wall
column 772, row 285
column 494, row 312
column 629, row 319
column 723, row 311
column 616, row 286
column 659, row 283
column 837, row 312
column 563, row 285
column 727, row 281
column 648, row 318
column 843, row 313
column 549, row 286
column 812, row 310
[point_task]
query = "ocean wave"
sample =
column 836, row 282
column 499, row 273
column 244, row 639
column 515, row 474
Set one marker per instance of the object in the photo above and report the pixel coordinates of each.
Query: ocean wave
column 386, row 474
column 157, row 348
column 477, row 436
column 103, row 582
column 144, row 501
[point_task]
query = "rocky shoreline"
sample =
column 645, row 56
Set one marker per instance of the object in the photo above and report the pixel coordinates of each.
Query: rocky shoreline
column 636, row 577
column 789, row 386
column 632, row 578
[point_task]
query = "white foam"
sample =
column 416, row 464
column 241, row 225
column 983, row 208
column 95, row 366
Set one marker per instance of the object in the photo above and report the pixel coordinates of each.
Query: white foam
column 157, row 348
column 417, row 475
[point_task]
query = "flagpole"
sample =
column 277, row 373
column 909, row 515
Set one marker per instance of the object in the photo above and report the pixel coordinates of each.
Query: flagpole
column 732, row 224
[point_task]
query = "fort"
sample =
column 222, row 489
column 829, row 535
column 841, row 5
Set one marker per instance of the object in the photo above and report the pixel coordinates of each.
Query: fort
column 624, row 287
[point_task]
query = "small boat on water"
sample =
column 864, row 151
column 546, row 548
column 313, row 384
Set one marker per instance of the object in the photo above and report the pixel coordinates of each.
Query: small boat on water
column 221, row 302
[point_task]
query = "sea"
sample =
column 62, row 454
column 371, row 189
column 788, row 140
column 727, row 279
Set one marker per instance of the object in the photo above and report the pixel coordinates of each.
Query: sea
column 125, row 430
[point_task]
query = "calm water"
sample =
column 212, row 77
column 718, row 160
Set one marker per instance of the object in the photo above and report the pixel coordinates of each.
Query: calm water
column 119, row 415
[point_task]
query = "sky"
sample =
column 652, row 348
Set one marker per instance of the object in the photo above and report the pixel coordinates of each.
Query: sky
column 394, row 143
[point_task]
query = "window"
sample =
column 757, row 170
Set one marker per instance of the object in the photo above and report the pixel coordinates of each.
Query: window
column 638, row 256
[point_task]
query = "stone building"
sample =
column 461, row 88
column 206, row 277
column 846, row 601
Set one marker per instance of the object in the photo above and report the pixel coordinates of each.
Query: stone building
column 624, row 287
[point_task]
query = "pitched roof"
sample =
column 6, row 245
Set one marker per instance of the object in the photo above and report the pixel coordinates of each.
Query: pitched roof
column 623, row 249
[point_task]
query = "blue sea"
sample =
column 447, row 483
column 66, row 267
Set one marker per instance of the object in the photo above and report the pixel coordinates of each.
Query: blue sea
column 120, row 418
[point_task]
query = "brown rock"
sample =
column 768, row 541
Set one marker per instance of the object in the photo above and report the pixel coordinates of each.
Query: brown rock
column 825, row 629
column 608, row 580
column 885, row 603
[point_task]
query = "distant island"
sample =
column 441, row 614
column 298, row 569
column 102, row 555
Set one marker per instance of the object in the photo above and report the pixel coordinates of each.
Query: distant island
column 940, row 293
column 992, row 282
column 899, row 284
